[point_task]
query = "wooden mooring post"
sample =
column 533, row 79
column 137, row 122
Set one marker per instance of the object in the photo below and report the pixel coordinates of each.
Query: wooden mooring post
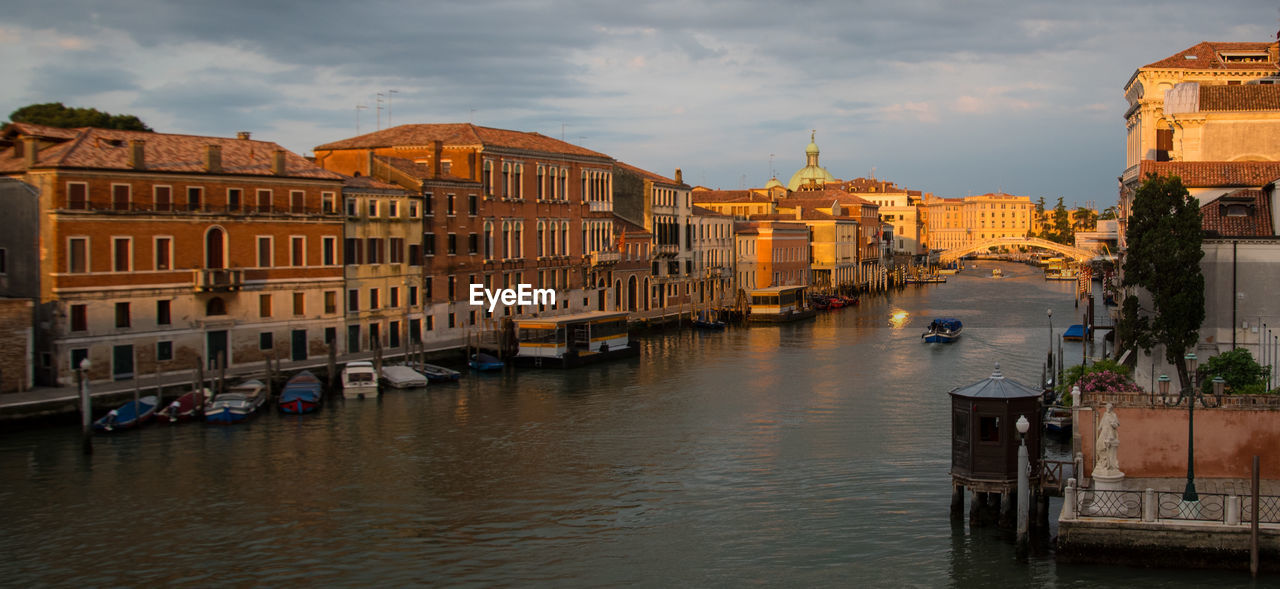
column 333, row 365
column 222, row 372
column 86, row 407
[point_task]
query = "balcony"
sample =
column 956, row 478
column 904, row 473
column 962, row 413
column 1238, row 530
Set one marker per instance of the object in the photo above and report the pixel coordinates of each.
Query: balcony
column 666, row 249
column 217, row 279
column 607, row 257
column 596, row 206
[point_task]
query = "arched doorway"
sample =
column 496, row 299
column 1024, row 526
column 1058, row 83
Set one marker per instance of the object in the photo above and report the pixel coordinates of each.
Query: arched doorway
column 215, row 242
column 631, row 293
column 617, row 295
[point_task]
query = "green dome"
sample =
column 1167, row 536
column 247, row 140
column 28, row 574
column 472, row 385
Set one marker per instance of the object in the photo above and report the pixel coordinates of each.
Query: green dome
column 773, row 183
column 811, row 173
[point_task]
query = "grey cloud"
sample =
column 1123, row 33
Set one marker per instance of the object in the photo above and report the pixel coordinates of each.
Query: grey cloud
column 68, row 82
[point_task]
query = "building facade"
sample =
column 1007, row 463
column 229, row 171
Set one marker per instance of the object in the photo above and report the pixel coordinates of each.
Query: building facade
column 164, row 251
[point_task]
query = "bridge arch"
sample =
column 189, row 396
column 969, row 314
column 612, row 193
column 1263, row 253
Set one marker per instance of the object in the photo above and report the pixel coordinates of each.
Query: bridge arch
column 1075, row 253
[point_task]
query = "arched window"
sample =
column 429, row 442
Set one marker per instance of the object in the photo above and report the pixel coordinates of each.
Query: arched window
column 506, row 240
column 215, row 248
column 564, row 238
column 506, row 179
column 487, row 178
column 516, row 240
column 488, row 240
column 215, row 307
column 551, row 240
column 541, row 236
column 564, row 184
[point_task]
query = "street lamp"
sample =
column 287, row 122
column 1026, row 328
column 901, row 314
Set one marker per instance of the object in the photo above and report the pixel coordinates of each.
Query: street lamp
column 1189, row 494
column 1164, row 388
column 1024, row 482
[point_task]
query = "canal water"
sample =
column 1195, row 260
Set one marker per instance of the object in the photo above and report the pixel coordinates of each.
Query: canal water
column 810, row 454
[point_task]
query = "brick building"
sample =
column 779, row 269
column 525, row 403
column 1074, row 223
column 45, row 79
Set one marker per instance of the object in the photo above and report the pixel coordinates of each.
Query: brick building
column 160, row 251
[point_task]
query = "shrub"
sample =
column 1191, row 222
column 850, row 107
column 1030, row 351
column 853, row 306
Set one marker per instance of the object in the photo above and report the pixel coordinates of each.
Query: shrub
column 1243, row 374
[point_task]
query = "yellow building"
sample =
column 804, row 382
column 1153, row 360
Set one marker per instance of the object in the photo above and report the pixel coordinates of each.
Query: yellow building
column 956, row 222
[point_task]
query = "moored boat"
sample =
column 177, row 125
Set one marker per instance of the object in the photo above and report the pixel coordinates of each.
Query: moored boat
column 1057, row 420
column 944, row 331
column 302, row 394
column 359, row 380
column 237, row 404
column 188, row 407
column 1076, row 333
column 483, row 362
column 403, row 377
column 996, row 273
column 439, row 373
column 129, row 415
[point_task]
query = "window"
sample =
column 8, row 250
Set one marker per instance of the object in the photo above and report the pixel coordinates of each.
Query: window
column 473, row 205
column 299, row 304
column 353, row 300
column 78, row 196
column 195, row 195
column 452, row 320
column 373, row 298
column 989, row 429
column 264, row 251
column 297, row 201
column 329, row 250
column 3, row 262
column 395, row 296
column 413, row 209
column 79, row 317
column 393, row 334
column 266, row 340
column 453, row 281
column 541, row 184
column 78, row 255
column 453, row 244
column 431, row 322
column 297, row 251
column 426, row 289
column 473, row 243
column 375, row 255
column 373, row 208
column 164, row 253
column 426, row 204
column 215, row 306
column 415, row 254
column 428, row 244
column 264, row 305
column 122, row 315
column 449, row 205
column 162, row 313
column 121, row 254
column 120, row 197
column 413, row 296
column 164, row 351
column 330, row 302
column 327, row 203
column 351, row 207
column 234, row 196
column 264, row 200
column 78, row 355
column 330, row 334
column 353, row 250
column 393, row 209
column 396, row 253
column 163, row 196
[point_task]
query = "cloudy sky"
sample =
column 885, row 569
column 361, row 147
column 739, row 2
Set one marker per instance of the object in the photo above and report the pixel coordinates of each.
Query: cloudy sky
column 946, row 97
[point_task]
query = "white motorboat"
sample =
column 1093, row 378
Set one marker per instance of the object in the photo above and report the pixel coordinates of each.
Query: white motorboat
column 359, row 380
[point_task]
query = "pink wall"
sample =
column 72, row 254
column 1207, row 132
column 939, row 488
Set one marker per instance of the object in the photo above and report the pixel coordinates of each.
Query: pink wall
column 1153, row 441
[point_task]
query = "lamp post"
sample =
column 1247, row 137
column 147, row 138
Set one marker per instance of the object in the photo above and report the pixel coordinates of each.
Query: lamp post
column 1024, row 483
column 1189, row 494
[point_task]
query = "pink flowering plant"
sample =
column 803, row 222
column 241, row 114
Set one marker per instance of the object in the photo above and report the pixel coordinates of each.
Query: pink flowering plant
column 1106, row 381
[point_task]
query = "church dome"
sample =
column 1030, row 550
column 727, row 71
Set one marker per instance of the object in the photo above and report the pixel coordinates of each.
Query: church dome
column 811, row 175
column 773, row 183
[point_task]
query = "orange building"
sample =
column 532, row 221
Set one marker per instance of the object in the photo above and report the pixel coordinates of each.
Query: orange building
column 771, row 253
column 159, row 251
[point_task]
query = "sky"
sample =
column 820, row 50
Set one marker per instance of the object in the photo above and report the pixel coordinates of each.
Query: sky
column 1024, row 97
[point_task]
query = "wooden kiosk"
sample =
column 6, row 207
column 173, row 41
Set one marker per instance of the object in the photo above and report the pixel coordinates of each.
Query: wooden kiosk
column 984, row 444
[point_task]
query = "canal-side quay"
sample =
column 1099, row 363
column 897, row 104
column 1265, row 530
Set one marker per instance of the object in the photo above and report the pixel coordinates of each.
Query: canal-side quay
column 811, row 453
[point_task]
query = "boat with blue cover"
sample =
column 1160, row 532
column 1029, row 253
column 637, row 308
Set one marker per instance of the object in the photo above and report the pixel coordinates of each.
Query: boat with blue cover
column 436, row 373
column 302, row 394
column 482, row 362
column 1076, row 333
column 944, row 330
column 129, row 415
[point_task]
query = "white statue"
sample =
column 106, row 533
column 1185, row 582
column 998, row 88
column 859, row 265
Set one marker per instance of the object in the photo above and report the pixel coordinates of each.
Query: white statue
column 1105, row 451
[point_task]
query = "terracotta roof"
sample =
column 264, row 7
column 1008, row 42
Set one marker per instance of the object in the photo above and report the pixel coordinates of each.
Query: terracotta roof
column 1207, row 56
column 366, row 182
column 625, row 226
column 1242, row 97
column 729, row 196
column 109, row 149
column 13, row 130
column 697, row 210
column 1214, row 174
column 460, row 134
column 1256, row 223
column 407, row 166
column 646, row 173
column 832, row 194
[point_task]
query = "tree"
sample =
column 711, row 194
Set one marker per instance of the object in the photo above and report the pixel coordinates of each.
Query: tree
column 1163, row 258
column 1085, row 219
column 54, row 114
column 1061, row 229
column 1243, row 375
column 1108, row 213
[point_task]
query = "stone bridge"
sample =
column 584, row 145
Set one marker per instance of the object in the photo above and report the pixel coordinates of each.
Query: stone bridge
column 1075, row 253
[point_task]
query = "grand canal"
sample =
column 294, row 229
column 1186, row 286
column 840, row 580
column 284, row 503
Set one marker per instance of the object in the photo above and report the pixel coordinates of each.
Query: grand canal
column 813, row 454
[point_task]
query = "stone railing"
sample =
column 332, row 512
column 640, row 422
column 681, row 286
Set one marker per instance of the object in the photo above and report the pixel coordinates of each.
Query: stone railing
column 1145, row 399
column 1150, row 506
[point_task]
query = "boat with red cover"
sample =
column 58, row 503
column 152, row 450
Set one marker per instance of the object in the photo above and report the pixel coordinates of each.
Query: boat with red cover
column 301, row 394
column 188, row 407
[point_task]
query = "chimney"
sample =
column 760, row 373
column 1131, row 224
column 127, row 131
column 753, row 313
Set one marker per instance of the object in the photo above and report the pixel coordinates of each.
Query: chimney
column 679, row 176
column 1273, row 52
column 242, row 135
column 369, row 171
column 137, row 154
column 31, row 149
column 799, row 212
column 277, row 162
column 437, row 152
column 213, row 159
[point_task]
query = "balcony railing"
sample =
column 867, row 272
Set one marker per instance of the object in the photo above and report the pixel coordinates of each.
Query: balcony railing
column 600, row 206
column 606, row 257
column 217, row 279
